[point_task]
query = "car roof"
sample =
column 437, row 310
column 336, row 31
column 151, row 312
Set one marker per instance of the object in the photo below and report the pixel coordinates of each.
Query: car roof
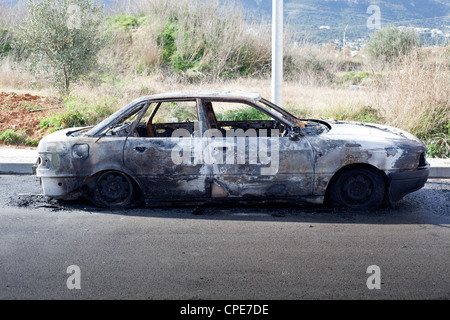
column 206, row 94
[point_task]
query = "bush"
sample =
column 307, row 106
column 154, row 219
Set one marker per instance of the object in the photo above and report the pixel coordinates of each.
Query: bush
column 66, row 119
column 307, row 64
column 125, row 21
column 31, row 142
column 389, row 43
column 243, row 114
column 206, row 40
column 5, row 42
column 362, row 114
column 10, row 136
column 78, row 113
column 353, row 77
column 349, row 65
column 438, row 146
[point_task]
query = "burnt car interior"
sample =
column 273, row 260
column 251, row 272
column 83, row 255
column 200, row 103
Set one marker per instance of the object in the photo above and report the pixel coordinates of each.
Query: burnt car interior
column 163, row 118
column 160, row 119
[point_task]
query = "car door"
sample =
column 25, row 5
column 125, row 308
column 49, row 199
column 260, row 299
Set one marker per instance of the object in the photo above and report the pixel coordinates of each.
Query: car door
column 251, row 158
column 165, row 162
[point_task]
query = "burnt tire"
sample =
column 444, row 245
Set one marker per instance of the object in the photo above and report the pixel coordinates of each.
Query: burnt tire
column 113, row 189
column 358, row 188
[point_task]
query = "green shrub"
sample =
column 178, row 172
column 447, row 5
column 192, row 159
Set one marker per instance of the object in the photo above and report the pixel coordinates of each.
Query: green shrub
column 363, row 114
column 66, row 119
column 166, row 40
column 205, row 40
column 243, row 114
column 353, row 77
column 10, row 136
column 437, row 141
column 78, row 113
column 438, row 146
column 5, row 42
column 31, row 142
column 123, row 21
column 388, row 43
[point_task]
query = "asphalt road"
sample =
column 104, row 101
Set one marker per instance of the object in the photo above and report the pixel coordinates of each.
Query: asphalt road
column 52, row 250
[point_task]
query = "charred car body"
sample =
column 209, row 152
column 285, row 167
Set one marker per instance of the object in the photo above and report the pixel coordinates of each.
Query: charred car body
column 174, row 147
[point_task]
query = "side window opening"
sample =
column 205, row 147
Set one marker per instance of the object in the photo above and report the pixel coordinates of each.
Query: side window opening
column 163, row 118
column 237, row 115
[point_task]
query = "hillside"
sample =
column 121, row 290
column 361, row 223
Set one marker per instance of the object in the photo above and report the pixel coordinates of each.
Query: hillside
column 307, row 16
column 324, row 21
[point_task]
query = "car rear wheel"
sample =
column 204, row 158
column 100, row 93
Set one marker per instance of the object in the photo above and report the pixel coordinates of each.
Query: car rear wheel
column 113, row 189
column 358, row 188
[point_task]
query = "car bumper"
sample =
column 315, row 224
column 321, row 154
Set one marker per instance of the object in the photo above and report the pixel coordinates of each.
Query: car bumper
column 404, row 182
column 62, row 187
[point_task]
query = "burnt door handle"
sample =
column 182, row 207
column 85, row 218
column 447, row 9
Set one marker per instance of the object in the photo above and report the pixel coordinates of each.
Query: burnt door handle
column 221, row 148
column 140, row 149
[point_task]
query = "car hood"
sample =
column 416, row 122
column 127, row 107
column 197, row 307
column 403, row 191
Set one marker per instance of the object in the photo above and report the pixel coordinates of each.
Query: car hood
column 370, row 132
column 57, row 141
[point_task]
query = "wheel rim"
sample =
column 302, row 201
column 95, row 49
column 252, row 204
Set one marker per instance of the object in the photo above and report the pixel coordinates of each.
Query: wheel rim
column 113, row 189
column 357, row 189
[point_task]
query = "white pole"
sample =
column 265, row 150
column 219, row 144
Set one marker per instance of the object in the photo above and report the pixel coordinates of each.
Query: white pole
column 277, row 52
column 343, row 40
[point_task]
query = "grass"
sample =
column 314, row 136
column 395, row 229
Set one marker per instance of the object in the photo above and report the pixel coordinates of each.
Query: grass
column 10, row 137
column 353, row 77
column 78, row 112
column 242, row 114
column 360, row 114
column 414, row 96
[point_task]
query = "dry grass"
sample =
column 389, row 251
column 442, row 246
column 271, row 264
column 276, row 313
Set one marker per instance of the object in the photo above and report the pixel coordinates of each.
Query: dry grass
column 11, row 14
column 415, row 96
column 212, row 40
column 11, row 76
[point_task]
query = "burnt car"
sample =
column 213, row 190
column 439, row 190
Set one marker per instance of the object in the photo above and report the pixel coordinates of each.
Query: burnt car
column 178, row 147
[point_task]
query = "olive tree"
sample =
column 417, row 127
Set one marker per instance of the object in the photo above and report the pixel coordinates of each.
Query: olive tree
column 389, row 43
column 60, row 39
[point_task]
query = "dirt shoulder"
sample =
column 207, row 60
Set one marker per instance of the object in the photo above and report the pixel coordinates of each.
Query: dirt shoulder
column 23, row 112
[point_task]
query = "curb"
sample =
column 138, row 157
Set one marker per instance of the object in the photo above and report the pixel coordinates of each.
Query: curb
column 16, row 168
column 21, row 161
column 439, row 168
column 17, row 161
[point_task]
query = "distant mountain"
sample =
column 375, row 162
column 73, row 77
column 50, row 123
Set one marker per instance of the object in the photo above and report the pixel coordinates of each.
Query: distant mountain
column 326, row 20
column 308, row 16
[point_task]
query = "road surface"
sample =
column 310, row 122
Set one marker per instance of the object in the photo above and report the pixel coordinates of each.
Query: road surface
column 71, row 250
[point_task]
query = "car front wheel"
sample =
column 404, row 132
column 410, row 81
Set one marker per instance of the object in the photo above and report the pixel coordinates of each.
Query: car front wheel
column 113, row 189
column 358, row 188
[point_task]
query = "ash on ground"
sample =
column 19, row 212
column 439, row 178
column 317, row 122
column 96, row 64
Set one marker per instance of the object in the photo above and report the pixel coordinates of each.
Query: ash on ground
column 34, row 201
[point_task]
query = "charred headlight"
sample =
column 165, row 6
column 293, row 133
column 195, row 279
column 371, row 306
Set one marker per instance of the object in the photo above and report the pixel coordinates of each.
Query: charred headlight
column 80, row 151
column 44, row 161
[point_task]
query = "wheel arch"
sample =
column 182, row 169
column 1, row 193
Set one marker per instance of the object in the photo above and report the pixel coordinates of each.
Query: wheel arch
column 351, row 167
